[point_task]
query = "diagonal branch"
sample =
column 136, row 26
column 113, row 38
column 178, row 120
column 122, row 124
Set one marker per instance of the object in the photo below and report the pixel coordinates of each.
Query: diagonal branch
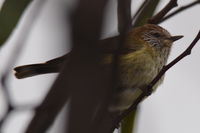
column 158, row 17
column 180, row 10
column 161, row 73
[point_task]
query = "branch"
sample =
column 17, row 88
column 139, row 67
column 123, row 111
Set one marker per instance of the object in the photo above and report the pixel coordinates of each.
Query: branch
column 124, row 15
column 158, row 17
column 160, row 74
column 82, row 78
column 180, row 10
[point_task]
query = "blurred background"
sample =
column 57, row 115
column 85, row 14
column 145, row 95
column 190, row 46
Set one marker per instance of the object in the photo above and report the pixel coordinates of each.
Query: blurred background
column 173, row 108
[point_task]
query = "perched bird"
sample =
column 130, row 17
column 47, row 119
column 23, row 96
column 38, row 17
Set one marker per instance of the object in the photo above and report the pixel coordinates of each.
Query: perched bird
column 145, row 52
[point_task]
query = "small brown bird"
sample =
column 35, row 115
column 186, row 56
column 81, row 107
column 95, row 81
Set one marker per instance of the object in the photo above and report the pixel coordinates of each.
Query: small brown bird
column 145, row 52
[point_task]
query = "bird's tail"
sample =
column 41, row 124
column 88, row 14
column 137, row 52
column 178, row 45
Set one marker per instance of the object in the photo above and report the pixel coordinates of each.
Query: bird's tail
column 35, row 69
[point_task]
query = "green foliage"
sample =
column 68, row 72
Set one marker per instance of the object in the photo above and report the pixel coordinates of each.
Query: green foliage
column 128, row 122
column 10, row 14
column 146, row 13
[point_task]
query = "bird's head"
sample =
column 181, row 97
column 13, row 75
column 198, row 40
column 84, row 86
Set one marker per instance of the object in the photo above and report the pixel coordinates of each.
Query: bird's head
column 154, row 36
column 152, row 39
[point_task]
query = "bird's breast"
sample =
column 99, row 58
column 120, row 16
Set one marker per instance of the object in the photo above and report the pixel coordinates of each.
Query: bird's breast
column 138, row 69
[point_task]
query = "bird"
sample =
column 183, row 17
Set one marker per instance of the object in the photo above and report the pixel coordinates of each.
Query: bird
column 144, row 53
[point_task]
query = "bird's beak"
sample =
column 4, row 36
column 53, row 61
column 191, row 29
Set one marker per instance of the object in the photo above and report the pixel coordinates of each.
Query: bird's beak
column 175, row 38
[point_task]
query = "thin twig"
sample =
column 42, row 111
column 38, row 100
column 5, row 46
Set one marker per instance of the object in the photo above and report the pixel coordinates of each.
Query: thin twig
column 156, row 79
column 180, row 10
column 156, row 19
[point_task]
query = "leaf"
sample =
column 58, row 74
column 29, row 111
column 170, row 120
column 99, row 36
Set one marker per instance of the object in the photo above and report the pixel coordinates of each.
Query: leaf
column 146, row 13
column 128, row 122
column 10, row 15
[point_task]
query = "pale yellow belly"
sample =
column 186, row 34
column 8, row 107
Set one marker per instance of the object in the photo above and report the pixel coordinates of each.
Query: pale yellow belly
column 134, row 75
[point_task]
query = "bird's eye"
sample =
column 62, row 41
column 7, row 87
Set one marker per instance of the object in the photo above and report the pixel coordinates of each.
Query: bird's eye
column 156, row 34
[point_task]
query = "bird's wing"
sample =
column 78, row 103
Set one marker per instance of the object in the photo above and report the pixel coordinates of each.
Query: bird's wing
column 107, row 46
column 111, row 45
